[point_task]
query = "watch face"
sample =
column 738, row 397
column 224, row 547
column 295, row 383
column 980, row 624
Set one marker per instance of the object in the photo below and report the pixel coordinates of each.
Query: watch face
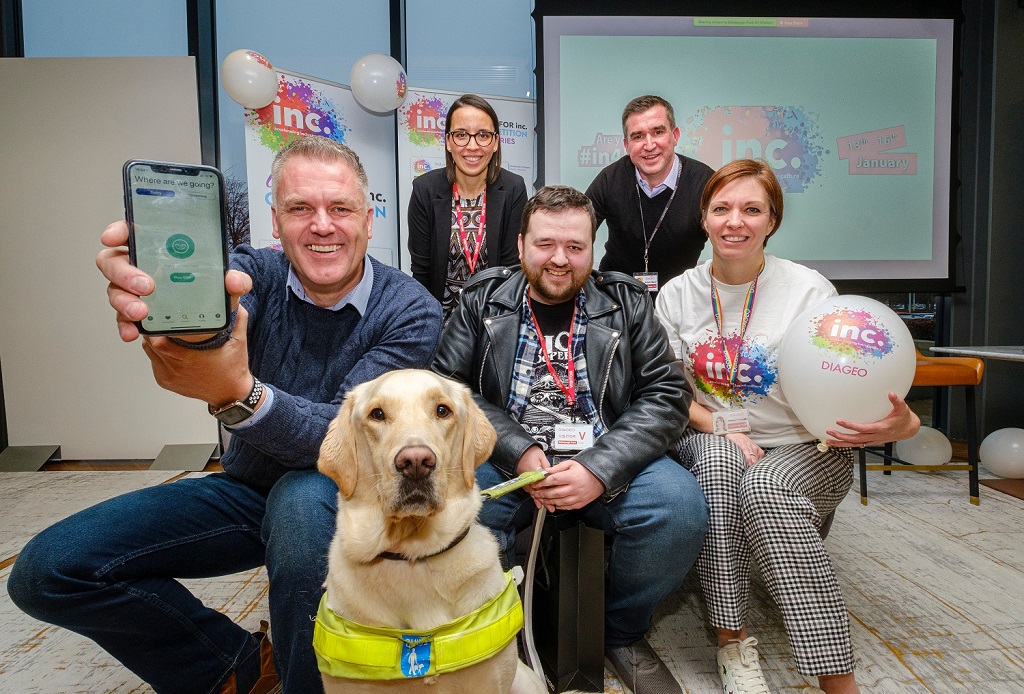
column 234, row 414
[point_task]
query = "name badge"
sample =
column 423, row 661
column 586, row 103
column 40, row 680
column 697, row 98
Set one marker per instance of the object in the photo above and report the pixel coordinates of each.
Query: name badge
column 572, row 436
column 650, row 279
column 733, row 421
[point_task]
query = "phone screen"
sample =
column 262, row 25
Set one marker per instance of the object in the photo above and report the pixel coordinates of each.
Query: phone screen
column 175, row 212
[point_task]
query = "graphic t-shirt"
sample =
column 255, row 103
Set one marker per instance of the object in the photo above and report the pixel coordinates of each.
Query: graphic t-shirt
column 548, row 404
column 784, row 290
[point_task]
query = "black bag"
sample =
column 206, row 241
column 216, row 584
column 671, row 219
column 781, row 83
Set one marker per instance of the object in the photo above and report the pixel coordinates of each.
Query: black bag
column 568, row 604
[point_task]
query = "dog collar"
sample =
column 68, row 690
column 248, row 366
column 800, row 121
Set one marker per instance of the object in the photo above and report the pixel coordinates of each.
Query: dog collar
column 398, row 555
column 355, row 651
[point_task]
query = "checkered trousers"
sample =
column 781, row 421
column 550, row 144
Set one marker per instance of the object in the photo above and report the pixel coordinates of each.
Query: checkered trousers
column 771, row 512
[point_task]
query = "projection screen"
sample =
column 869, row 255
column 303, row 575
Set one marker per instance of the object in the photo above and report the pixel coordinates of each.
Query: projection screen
column 853, row 114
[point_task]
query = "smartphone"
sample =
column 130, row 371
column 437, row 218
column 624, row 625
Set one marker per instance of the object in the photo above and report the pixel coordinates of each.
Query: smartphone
column 177, row 235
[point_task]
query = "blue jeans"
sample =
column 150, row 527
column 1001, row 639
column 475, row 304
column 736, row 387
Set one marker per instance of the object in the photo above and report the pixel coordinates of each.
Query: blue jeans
column 109, row 573
column 657, row 528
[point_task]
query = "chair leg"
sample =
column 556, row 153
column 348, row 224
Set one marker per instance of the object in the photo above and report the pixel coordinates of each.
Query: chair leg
column 972, row 445
column 862, row 455
column 889, row 456
column 826, row 525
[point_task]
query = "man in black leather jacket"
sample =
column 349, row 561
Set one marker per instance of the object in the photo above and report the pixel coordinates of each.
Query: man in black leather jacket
column 599, row 422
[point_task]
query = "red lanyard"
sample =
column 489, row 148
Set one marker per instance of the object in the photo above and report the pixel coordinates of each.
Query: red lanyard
column 570, row 388
column 471, row 256
column 748, row 308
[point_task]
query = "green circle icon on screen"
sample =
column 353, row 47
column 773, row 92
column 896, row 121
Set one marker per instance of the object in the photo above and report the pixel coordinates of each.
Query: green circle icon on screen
column 181, row 246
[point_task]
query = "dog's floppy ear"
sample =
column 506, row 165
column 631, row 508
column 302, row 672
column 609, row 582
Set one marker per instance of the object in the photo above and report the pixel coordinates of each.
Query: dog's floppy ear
column 478, row 438
column 338, row 458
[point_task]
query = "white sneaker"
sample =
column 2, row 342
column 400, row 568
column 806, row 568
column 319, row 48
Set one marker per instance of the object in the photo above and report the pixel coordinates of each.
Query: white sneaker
column 740, row 668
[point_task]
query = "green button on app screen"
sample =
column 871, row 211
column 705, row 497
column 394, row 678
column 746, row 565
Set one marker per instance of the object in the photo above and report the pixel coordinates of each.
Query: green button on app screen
column 181, row 246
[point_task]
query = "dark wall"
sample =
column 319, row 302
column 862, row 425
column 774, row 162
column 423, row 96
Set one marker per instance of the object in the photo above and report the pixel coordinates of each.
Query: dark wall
column 992, row 213
column 1003, row 316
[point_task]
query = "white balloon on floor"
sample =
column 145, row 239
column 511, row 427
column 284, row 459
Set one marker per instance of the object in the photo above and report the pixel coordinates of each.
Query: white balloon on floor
column 1002, row 453
column 378, row 82
column 840, row 358
column 249, row 78
column 927, row 447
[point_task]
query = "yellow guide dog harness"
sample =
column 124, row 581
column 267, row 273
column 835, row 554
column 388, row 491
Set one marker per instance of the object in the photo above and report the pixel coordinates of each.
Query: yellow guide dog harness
column 348, row 649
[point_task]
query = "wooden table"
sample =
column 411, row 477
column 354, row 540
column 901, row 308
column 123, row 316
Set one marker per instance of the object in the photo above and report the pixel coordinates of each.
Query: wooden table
column 1001, row 352
column 1006, row 353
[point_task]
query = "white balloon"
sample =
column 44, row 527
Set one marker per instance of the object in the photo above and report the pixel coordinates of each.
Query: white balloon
column 1002, row 452
column 927, row 447
column 840, row 358
column 378, row 82
column 249, row 78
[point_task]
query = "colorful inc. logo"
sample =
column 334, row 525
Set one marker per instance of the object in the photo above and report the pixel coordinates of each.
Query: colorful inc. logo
column 298, row 110
column 851, row 333
column 424, row 120
column 420, row 167
column 755, row 374
column 787, row 137
column 259, row 59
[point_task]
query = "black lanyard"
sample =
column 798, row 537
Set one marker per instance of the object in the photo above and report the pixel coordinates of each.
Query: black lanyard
column 643, row 226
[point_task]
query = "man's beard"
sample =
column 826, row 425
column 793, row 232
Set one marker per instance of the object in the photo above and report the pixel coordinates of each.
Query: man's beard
column 553, row 295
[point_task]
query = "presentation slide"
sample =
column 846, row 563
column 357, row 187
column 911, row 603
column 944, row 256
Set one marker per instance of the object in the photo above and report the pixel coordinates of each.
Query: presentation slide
column 852, row 114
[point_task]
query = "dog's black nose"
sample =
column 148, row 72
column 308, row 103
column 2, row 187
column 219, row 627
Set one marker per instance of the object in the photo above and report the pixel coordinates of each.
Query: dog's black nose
column 415, row 462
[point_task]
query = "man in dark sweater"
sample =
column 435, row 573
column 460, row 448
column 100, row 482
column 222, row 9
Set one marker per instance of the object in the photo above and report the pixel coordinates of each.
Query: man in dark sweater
column 650, row 198
column 311, row 323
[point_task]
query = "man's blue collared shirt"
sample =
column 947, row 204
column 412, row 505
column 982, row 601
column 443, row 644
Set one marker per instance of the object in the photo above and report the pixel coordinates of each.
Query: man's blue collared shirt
column 358, row 297
column 669, row 182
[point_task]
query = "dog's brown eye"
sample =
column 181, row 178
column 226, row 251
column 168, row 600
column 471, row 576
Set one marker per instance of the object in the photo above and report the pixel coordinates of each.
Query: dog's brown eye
column 377, row 413
column 443, row 411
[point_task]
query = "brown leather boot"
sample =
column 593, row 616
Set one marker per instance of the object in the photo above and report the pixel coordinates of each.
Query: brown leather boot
column 269, row 682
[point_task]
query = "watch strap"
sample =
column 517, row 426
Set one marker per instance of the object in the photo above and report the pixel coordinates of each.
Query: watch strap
column 249, row 402
column 255, row 394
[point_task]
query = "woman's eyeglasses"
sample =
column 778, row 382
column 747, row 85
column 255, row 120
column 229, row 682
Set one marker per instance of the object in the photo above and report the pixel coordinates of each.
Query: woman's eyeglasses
column 482, row 137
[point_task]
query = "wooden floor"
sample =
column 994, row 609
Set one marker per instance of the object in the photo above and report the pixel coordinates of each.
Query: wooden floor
column 934, row 587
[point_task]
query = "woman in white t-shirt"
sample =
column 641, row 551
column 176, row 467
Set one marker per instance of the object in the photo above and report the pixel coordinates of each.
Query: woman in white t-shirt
column 768, row 486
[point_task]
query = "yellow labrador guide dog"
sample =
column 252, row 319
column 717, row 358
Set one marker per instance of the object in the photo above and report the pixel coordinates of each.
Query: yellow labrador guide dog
column 416, row 599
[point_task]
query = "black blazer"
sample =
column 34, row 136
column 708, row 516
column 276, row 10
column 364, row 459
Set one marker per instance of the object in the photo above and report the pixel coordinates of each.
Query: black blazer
column 430, row 225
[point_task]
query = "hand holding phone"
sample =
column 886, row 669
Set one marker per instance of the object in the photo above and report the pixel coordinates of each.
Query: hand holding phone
column 177, row 236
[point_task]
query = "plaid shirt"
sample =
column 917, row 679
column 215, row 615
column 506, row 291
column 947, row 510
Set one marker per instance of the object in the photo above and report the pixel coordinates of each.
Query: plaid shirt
column 527, row 349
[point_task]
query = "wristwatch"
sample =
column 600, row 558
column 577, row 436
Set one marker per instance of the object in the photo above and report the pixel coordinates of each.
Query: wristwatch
column 239, row 410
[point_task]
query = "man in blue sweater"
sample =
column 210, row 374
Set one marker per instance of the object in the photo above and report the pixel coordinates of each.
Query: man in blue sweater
column 311, row 323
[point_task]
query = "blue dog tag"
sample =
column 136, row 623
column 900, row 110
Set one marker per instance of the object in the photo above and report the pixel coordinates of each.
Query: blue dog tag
column 416, row 653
